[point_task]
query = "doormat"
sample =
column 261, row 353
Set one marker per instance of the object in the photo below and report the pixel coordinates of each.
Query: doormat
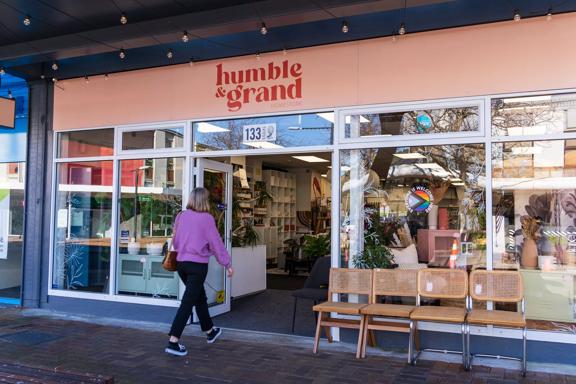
column 29, row 338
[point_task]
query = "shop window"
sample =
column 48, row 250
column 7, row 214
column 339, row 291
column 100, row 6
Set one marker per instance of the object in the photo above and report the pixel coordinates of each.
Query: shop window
column 86, row 143
column 164, row 138
column 83, row 222
column 265, row 132
column 150, row 198
column 534, row 225
column 413, row 207
column 413, row 122
column 534, row 115
column 11, row 229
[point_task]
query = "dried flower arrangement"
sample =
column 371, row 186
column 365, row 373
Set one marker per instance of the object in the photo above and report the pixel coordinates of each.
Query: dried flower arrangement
column 531, row 227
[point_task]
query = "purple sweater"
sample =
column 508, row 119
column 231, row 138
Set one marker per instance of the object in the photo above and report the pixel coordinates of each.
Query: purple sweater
column 197, row 238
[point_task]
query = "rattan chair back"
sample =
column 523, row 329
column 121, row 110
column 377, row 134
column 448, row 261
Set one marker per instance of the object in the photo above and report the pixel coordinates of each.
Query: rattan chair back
column 394, row 282
column 442, row 283
column 350, row 281
column 499, row 286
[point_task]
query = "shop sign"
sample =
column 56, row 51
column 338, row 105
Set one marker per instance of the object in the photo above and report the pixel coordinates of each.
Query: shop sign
column 272, row 82
column 419, row 199
column 4, row 222
column 259, row 132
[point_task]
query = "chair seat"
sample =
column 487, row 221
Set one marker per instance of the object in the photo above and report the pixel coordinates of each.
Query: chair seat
column 344, row 308
column 388, row 310
column 498, row 318
column 319, row 294
column 442, row 314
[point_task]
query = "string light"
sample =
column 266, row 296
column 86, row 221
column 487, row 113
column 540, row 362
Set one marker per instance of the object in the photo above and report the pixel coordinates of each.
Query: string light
column 402, row 29
column 105, row 76
column 345, row 27
column 86, row 79
column 284, row 51
column 185, row 37
column 517, row 16
column 123, row 19
column 2, row 71
column 258, row 56
column 27, row 21
column 263, row 29
column 9, row 94
column 191, row 62
column 170, row 54
column 549, row 14
column 122, row 54
column 54, row 66
column 42, row 76
column 394, row 37
column 54, row 80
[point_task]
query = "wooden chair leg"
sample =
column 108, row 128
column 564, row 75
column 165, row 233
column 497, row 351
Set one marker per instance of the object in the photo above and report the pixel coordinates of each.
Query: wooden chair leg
column 371, row 338
column 360, row 334
column 317, row 336
column 328, row 332
column 365, row 335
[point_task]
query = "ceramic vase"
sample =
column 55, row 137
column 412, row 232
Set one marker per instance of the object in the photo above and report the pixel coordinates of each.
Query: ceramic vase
column 529, row 254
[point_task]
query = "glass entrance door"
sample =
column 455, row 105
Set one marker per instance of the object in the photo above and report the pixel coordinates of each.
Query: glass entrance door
column 217, row 178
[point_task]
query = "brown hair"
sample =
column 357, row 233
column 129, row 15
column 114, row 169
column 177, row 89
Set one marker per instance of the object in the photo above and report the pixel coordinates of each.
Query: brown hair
column 198, row 200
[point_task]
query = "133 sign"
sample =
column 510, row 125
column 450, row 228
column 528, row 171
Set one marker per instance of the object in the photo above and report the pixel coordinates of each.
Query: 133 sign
column 259, row 132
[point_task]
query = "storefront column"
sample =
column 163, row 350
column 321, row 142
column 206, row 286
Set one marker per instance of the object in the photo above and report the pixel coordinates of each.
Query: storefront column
column 37, row 228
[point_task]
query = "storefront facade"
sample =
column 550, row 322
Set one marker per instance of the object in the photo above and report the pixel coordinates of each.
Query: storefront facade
column 457, row 137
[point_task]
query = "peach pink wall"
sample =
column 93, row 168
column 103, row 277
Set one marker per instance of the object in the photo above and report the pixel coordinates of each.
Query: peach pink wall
column 530, row 55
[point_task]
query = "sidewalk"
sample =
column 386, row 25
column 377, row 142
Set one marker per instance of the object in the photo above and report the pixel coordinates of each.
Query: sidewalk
column 136, row 356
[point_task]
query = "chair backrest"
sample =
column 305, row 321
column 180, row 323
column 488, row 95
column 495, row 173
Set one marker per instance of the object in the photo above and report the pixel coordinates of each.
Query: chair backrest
column 500, row 286
column 351, row 281
column 394, row 282
column 320, row 273
column 442, row 283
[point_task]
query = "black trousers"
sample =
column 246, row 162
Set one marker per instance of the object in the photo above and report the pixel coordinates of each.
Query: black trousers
column 193, row 275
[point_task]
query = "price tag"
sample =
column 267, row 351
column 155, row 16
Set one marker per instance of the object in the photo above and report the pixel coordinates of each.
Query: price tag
column 478, row 289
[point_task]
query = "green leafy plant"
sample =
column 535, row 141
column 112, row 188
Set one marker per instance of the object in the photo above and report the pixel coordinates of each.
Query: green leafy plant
column 262, row 195
column 374, row 256
column 316, row 246
column 249, row 235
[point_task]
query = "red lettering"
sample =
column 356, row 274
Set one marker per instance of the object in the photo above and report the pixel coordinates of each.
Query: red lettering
column 295, row 90
column 296, row 70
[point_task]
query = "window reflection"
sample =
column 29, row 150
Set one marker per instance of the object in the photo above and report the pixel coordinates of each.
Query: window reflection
column 83, row 223
column 153, row 139
column 534, row 115
column 265, row 132
column 534, row 213
column 150, row 199
column 418, row 207
column 86, row 143
column 415, row 122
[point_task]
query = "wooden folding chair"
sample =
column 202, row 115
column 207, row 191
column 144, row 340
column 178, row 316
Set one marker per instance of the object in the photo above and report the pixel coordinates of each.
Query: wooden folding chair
column 440, row 283
column 502, row 287
column 343, row 281
column 389, row 282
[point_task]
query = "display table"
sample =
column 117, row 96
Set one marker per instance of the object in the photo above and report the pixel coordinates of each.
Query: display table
column 249, row 265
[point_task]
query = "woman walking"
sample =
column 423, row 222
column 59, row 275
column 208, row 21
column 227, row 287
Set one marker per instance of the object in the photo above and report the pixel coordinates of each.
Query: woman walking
column 196, row 239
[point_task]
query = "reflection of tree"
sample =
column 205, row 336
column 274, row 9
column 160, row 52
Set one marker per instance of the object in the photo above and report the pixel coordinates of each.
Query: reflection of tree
column 526, row 114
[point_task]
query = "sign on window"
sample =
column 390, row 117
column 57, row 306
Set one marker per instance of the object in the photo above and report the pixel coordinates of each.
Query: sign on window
column 259, row 132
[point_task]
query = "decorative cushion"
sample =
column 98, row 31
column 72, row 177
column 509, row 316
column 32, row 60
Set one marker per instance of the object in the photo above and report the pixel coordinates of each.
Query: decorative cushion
column 408, row 255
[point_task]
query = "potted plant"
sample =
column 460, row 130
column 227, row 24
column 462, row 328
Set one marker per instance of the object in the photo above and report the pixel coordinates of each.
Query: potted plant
column 316, row 246
column 375, row 256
